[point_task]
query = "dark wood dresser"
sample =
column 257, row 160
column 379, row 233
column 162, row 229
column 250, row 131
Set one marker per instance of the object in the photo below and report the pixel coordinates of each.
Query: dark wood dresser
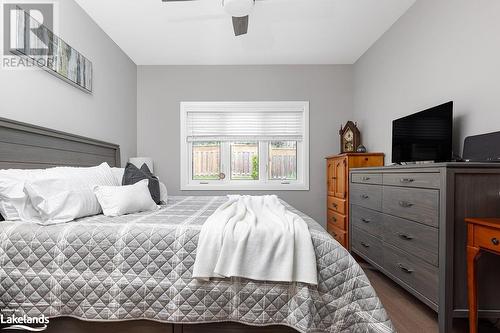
column 338, row 168
column 408, row 222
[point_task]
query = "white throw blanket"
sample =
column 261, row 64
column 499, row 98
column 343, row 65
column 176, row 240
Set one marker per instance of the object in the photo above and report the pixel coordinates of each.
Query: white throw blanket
column 256, row 238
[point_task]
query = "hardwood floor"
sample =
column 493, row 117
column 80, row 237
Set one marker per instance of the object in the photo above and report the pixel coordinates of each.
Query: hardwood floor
column 408, row 314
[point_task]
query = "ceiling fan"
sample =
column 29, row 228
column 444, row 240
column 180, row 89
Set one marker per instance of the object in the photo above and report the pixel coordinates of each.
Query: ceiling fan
column 238, row 9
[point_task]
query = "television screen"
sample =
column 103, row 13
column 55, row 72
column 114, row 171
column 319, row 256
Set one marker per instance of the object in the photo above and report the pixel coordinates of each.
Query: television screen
column 424, row 136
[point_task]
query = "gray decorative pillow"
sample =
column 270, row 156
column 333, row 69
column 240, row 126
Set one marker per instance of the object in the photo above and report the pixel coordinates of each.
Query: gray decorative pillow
column 133, row 175
column 144, row 168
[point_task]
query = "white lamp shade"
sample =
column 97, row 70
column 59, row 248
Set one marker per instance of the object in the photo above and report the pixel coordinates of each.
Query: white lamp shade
column 238, row 8
column 139, row 161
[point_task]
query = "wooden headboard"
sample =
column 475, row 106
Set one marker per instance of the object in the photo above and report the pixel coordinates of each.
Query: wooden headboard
column 25, row 146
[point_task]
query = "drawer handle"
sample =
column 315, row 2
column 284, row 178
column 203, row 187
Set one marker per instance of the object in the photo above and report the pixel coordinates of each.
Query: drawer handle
column 365, row 179
column 495, row 241
column 365, row 245
column 405, row 269
column 334, row 205
column 365, row 220
column 405, row 236
column 334, row 219
column 405, row 204
column 364, row 196
column 407, row 180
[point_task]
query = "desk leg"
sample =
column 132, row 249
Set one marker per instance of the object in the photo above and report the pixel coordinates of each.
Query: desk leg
column 472, row 256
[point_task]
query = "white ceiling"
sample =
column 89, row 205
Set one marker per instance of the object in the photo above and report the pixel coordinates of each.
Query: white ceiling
column 153, row 32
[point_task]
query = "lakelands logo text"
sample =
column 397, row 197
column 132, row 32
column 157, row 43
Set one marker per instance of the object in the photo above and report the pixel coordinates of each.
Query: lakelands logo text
column 24, row 323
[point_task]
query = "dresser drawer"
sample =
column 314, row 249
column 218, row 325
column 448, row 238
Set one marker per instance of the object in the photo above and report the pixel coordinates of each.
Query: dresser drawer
column 366, row 178
column 413, row 271
column 337, row 220
column 412, row 237
column 337, row 205
column 339, row 235
column 423, row 180
column 487, row 238
column 414, row 204
column 369, row 196
column 367, row 245
column 367, row 220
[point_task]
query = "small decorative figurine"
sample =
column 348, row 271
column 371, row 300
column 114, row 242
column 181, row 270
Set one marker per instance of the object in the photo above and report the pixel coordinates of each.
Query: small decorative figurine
column 361, row 149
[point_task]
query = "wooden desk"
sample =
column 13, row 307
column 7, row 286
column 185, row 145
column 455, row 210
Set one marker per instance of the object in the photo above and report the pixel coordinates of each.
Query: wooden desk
column 482, row 235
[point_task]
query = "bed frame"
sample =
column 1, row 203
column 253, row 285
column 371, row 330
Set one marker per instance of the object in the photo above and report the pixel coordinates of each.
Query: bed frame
column 25, row 146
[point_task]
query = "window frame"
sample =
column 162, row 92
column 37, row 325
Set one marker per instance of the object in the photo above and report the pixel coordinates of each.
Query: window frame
column 230, row 169
column 191, row 162
column 268, row 143
column 264, row 183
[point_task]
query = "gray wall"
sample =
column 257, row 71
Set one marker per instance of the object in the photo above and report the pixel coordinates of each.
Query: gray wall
column 440, row 50
column 108, row 114
column 162, row 88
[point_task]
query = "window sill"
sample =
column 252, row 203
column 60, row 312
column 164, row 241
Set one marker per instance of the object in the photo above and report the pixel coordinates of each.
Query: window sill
column 238, row 187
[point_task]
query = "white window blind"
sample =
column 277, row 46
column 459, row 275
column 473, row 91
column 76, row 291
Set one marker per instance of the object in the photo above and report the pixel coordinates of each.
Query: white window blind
column 248, row 125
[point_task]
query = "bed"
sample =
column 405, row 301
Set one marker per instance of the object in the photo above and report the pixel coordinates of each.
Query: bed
column 133, row 273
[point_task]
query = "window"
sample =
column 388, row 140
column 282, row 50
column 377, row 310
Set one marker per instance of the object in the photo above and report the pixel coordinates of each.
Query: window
column 206, row 160
column 245, row 160
column 244, row 146
column 283, row 160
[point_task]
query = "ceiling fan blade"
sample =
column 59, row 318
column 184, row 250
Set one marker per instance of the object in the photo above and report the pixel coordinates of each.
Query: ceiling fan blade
column 240, row 25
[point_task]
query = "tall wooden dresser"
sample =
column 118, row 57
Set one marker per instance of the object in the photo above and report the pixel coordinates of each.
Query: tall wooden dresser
column 338, row 168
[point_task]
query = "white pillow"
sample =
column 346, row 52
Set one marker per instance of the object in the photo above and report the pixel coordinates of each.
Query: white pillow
column 12, row 196
column 8, row 212
column 118, row 172
column 163, row 193
column 64, row 194
column 127, row 199
column 10, row 190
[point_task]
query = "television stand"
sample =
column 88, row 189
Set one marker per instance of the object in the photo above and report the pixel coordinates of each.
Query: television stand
column 408, row 221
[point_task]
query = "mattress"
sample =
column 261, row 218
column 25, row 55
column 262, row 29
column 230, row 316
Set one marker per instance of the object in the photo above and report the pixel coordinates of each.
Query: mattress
column 139, row 267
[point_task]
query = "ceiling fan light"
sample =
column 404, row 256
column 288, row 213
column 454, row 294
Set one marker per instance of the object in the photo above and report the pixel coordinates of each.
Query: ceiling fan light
column 238, row 8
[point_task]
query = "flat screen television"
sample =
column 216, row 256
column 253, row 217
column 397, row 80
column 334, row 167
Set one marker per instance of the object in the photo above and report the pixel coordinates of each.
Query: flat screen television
column 424, row 136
